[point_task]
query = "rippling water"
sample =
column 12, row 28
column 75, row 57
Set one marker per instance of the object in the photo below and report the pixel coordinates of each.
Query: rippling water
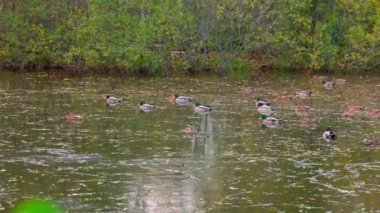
column 118, row 159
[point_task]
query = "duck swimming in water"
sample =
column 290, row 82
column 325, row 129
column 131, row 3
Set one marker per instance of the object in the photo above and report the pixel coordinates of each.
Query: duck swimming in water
column 371, row 142
column 303, row 110
column 201, row 108
column 182, row 100
column 306, row 122
column 347, row 115
column 247, row 90
column 356, row 109
column 144, row 107
column 111, row 100
column 265, row 110
column 303, row 94
column 179, row 99
column 328, row 84
column 73, row 118
column 339, row 81
column 328, row 135
column 374, row 113
column 270, row 121
column 284, row 99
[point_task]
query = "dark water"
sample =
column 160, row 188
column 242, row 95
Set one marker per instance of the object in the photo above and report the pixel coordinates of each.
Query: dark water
column 120, row 160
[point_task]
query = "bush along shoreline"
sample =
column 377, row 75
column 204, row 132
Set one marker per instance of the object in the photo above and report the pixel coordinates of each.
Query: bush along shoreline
column 228, row 37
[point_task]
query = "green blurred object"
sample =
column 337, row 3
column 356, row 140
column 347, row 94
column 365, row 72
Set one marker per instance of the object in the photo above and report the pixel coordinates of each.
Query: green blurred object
column 37, row 206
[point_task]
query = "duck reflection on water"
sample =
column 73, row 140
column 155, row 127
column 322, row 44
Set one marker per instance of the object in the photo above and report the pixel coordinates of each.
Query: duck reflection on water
column 203, row 144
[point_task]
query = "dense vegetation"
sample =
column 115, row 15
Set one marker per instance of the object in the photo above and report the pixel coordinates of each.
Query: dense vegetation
column 233, row 36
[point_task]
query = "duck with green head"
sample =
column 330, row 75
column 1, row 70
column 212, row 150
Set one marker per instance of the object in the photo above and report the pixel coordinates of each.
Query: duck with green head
column 265, row 109
column 144, row 107
column 201, row 108
column 182, row 100
column 270, row 121
column 179, row 99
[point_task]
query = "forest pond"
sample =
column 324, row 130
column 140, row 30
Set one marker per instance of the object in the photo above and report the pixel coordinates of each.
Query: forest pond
column 118, row 159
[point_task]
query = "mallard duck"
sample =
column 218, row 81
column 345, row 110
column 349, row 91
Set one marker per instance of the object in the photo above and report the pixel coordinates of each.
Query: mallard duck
column 265, row 110
column 329, row 135
column 339, row 81
column 270, row 121
column 371, row 142
column 320, row 78
column 182, row 100
column 303, row 110
column 374, row 113
column 111, row 100
column 307, row 122
column 260, row 102
column 356, row 109
column 303, row 94
column 201, row 108
column 247, row 90
column 190, row 132
column 347, row 115
column 144, row 107
column 71, row 117
column 284, row 99
column 328, row 84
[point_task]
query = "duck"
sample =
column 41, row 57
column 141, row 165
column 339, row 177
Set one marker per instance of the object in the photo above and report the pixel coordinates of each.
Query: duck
column 71, row 117
column 339, row 81
column 247, row 90
column 303, row 110
column 269, row 120
column 371, row 142
column 201, row 108
column 260, row 102
column 320, row 78
column 144, row 107
column 374, row 113
column 303, row 94
column 190, row 132
column 265, row 110
column 182, row 100
column 307, row 122
column 111, row 100
column 355, row 109
column 329, row 135
column 284, row 99
column 328, row 84
column 347, row 115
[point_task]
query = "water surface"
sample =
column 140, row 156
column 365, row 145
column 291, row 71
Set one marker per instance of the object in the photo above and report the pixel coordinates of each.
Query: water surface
column 118, row 159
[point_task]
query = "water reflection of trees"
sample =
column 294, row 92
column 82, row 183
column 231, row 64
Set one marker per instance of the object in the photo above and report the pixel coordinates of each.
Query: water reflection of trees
column 204, row 144
column 177, row 184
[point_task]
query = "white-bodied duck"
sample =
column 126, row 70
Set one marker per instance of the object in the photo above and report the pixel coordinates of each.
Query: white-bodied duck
column 112, row 100
column 303, row 94
column 328, row 84
column 270, row 121
column 144, row 107
column 201, row 108
column 265, row 109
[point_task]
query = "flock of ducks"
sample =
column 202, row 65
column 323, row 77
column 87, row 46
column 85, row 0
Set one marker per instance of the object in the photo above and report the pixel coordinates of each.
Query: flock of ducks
column 263, row 108
column 146, row 107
